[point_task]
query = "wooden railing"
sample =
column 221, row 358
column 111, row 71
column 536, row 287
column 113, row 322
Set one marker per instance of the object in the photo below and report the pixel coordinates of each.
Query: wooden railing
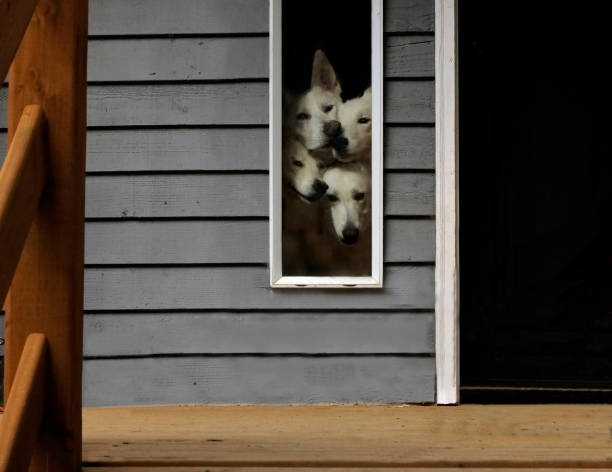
column 21, row 184
column 42, row 185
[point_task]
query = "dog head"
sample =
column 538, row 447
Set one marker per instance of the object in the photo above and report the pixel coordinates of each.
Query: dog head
column 348, row 195
column 312, row 117
column 302, row 172
column 356, row 118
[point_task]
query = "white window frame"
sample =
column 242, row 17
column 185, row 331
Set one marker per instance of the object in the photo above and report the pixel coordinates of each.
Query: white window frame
column 277, row 280
column 447, row 204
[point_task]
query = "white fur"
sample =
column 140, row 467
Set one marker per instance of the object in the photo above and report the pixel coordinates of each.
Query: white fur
column 345, row 183
column 359, row 135
column 306, row 115
column 301, row 171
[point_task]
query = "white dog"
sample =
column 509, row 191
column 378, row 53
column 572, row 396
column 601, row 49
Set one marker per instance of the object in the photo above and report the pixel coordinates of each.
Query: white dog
column 302, row 173
column 356, row 119
column 312, row 117
column 348, row 195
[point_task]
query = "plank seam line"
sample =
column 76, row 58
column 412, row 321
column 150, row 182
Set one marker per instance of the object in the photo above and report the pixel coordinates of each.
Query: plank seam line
column 434, row 464
column 284, row 355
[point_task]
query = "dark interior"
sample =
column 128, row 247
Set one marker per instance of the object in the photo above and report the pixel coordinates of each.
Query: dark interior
column 342, row 30
column 535, row 202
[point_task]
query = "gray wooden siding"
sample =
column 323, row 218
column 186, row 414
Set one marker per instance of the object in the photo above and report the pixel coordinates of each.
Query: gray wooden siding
column 219, row 241
column 178, row 308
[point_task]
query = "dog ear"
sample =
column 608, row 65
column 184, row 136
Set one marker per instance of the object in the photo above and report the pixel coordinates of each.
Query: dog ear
column 367, row 93
column 323, row 74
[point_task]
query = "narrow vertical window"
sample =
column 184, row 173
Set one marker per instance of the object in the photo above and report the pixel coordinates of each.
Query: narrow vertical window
column 326, row 162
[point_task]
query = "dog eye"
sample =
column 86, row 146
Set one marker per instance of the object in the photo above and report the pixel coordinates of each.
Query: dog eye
column 297, row 163
column 363, row 120
column 328, row 108
column 359, row 196
column 332, row 198
column 321, row 165
column 302, row 116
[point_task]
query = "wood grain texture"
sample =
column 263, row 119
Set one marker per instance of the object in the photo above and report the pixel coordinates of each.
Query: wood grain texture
column 46, row 294
column 246, row 288
column 409, row 16
column 409, row 56
column 25, row 407
column 14, row 19
column 447, row 204
column 146, row 17
column 222, row 242
column 282, row 332
column 152, row 17
column 246, row 379
column 214, row 149
column 527, row 436
column 409, row 102
column 184, row 104
column 223, row 195
column 218, row 149
column 179, row 59
column 21, row 184
column 226, row 149
column 185, row 59
column 223, row 104
column 141, row 334
column 326, row 469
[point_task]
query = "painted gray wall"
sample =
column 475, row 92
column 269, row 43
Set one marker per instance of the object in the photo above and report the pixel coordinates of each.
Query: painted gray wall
column 178, row 308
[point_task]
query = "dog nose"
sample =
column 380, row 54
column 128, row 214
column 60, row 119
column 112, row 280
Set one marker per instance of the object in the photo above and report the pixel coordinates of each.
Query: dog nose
column 332, row 128
column 350, row 235
column 320, row 186
column 341, row 141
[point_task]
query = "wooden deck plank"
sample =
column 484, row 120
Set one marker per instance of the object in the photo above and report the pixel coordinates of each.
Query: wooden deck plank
column 325, row 469
column 563, row 436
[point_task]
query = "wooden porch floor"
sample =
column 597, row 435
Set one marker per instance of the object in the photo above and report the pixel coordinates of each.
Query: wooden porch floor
column 359, row 438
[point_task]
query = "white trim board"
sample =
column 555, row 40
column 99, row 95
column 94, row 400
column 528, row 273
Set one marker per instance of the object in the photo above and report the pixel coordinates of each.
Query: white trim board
column 447, row 204
column 277, row 280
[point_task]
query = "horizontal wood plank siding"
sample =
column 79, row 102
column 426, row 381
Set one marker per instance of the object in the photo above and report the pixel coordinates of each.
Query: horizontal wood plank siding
column 186, row 59
column 285, row 332
column 160, row 17
column 138, row 334
column 243, row 103
column 224, row 241
column 225, row 195
column 268, row 380
column 223, row 149
column 245, row 288
column 178, row 307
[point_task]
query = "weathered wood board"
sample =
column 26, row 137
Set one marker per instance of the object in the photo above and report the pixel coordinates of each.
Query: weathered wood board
column 224, row 242
column 241, row 103
column 225, row 195
column 485, row 437
column 248, row 379
column 217, row 149
column 245, row 288
column 123, row 334
column 159, row 17
column 234, row 58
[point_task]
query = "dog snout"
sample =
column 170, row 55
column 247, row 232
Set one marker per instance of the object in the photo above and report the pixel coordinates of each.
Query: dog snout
column 332, row 128
column 318, row 190
column 340, row 144
column 350, row 234
column 320, row 186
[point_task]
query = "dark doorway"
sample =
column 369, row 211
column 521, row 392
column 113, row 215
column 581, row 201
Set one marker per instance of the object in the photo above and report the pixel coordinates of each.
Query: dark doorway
column 535, row 201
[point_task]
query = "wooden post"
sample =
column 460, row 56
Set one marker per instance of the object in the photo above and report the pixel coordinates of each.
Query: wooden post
column 19, row 429
column 46, row 294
